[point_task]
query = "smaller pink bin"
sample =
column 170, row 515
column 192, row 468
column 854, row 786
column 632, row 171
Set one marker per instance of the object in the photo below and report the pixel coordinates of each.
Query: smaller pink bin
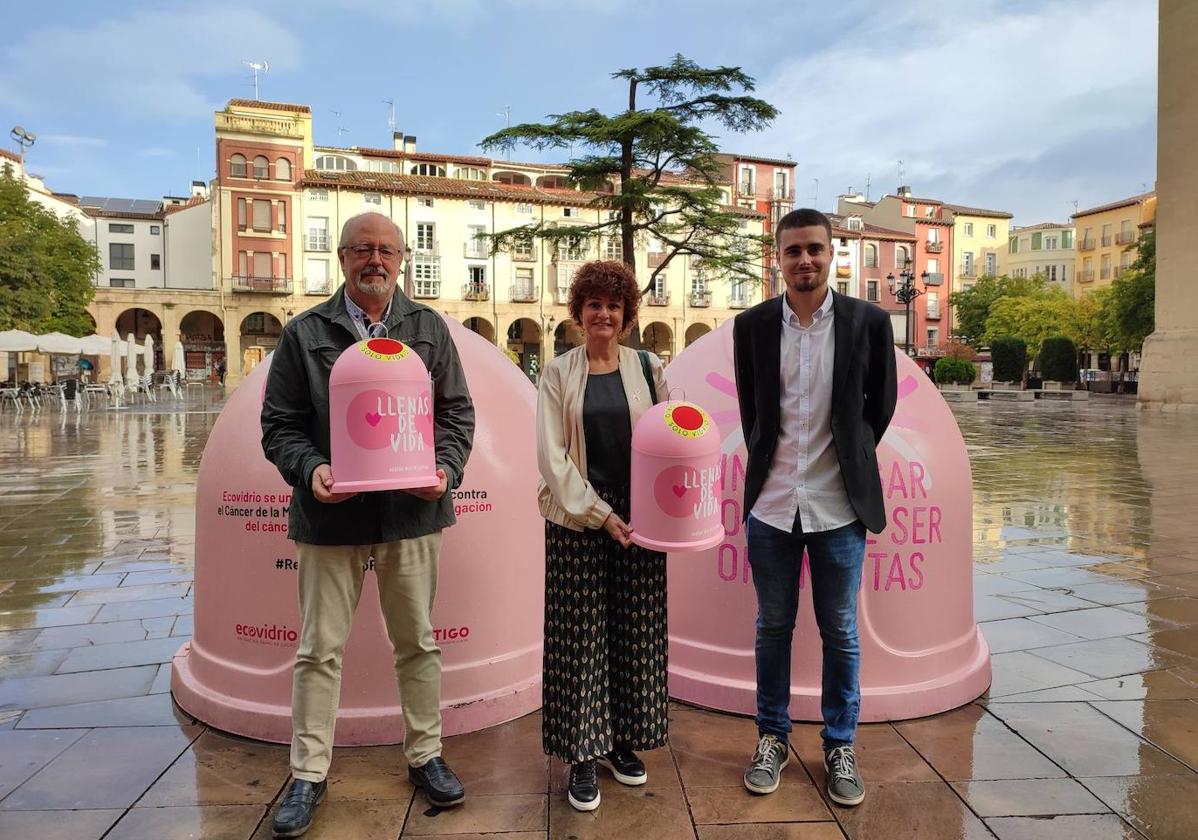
column 381, row 418
column 676, row 479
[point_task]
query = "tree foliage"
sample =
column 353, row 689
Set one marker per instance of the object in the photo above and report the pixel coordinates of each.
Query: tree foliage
column 1058, row 359
column 1009, row 356
column 664, row 161
column 1132, row 298
column 972, row 306
column 1030, row 317
column 46, row 266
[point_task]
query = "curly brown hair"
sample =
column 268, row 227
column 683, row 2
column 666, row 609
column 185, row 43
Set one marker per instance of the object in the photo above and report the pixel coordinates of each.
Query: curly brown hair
column 609, row 279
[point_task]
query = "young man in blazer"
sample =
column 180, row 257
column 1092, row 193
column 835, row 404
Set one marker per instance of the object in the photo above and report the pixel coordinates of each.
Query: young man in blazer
column 815, row 377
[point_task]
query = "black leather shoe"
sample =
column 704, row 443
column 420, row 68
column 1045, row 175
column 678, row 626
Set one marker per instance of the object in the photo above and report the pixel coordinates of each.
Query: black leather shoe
column 625, row 766
column 583, row 791
column 438, row 782
column 295, row 814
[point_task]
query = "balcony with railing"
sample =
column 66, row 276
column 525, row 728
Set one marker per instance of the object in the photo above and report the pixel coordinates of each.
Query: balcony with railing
column 700, row 299
column 1106, row 240
column 968, row 270
column 476, row 291
column 933, row 313
column 317, row 240
column 1105, row 272
column 524, row 253
column 933, row 278
column 1086, row 275
column 746, row 189
column 1125, row 237
column 561, row 295
column 934, row 247
column 738, row 300
column 427, row 249
column 1087, row 244
column 262, row 285
column 658, row 299
column 522, row 293
column 476, row 249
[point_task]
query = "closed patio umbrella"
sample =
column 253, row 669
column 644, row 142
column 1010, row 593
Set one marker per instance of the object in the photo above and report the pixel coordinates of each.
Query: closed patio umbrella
column 131, row 350
column 147, row 364
column 116, row 350
column 178, row 363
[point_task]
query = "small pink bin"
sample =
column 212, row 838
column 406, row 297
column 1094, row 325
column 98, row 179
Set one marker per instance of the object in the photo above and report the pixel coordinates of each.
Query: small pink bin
column 381, row 418
column 676, row 479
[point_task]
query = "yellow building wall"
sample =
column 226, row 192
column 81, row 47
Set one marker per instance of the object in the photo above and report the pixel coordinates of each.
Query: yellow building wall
column 979, row 243
column 1100, row 250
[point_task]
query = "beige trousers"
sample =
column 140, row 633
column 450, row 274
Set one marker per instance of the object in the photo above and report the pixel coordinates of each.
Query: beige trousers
column 330, row 585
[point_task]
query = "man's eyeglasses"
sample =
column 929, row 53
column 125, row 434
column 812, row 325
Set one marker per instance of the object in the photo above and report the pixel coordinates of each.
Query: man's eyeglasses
column 386, row 252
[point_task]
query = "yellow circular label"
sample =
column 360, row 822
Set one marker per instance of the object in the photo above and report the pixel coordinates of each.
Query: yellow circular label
column 687, row 420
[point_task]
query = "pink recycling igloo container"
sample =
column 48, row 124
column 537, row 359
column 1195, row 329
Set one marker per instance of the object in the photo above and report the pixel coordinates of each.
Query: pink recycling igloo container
column 381, row 418
column 921, row 652
column 675, row 503
column 235, row 673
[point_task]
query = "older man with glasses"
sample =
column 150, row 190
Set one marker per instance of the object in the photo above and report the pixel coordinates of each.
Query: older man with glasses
column 336, row 534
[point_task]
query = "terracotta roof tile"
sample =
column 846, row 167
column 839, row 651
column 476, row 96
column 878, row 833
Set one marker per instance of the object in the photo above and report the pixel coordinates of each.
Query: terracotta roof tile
column 732, row 156
column 5, row 153
column 191, row 202
column 876, row 232
column 978, row 211
column 445, row 187
column 1115, row 205
column 1043, row 226
column 269, row 106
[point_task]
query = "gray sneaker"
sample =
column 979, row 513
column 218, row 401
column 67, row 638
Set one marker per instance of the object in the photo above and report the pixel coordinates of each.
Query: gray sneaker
column 764, row 773
column 844, row 781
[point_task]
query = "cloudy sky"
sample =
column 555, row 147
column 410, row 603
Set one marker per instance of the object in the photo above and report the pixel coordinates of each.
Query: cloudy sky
column 1008, row 104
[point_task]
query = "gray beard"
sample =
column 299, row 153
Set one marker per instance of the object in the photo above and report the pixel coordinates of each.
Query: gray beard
column 377, row 289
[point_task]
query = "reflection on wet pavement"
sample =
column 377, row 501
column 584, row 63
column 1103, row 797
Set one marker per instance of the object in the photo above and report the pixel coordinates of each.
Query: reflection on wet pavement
column 1086, row 586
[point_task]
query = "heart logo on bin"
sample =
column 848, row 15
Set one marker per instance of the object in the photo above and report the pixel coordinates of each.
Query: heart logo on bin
column 373, row 418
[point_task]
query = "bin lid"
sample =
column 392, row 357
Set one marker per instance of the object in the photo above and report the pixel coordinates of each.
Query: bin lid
column 378, row 360
column 676, row 429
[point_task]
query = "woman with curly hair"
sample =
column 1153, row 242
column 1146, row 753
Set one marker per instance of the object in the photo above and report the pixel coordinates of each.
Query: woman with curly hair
column 605, row 598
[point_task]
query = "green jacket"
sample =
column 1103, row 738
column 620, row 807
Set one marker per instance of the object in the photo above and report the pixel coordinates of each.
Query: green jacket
column 295, row 424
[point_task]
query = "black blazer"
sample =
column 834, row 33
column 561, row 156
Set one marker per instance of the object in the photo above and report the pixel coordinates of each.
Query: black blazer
column 864, row 392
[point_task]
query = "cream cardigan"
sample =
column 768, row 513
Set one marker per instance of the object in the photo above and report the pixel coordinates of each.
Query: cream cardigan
column 564, row 495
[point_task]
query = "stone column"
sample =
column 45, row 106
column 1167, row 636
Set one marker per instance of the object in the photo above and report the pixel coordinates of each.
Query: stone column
column 1169, row 369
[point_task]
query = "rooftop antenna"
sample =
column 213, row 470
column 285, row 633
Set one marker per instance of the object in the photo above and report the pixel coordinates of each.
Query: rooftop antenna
column 340, row 128
column 1074, row 203
column 867, row 186
column 815, row 197
column 507, row 123
column 255, row 68
column 391, row 119
column 902, row 174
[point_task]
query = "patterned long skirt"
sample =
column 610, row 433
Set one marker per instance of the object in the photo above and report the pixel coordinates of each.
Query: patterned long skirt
column 605, row 642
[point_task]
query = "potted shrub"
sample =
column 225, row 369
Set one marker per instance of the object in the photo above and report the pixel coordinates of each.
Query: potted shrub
column 953, row 373
column 1009, row 358
column 1058, row 362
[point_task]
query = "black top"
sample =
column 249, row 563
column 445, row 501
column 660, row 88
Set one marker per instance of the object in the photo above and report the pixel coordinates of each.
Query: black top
column 607, row 429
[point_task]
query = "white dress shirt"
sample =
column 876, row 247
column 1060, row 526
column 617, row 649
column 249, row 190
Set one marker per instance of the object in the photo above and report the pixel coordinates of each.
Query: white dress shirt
column 805, row 475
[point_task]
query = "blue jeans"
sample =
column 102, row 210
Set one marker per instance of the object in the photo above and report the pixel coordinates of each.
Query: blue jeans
column 836, row 558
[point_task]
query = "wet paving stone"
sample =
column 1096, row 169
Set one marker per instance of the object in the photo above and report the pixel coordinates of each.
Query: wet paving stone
column 1086, row 585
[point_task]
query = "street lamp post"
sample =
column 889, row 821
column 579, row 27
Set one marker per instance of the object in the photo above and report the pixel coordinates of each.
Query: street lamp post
column 905, row 291
column 24, row 139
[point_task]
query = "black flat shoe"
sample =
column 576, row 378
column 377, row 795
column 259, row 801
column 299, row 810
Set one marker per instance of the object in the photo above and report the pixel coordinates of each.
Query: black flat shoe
column 625, row 766
column 295, row 814
column 583, row 791
column 438, row 782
